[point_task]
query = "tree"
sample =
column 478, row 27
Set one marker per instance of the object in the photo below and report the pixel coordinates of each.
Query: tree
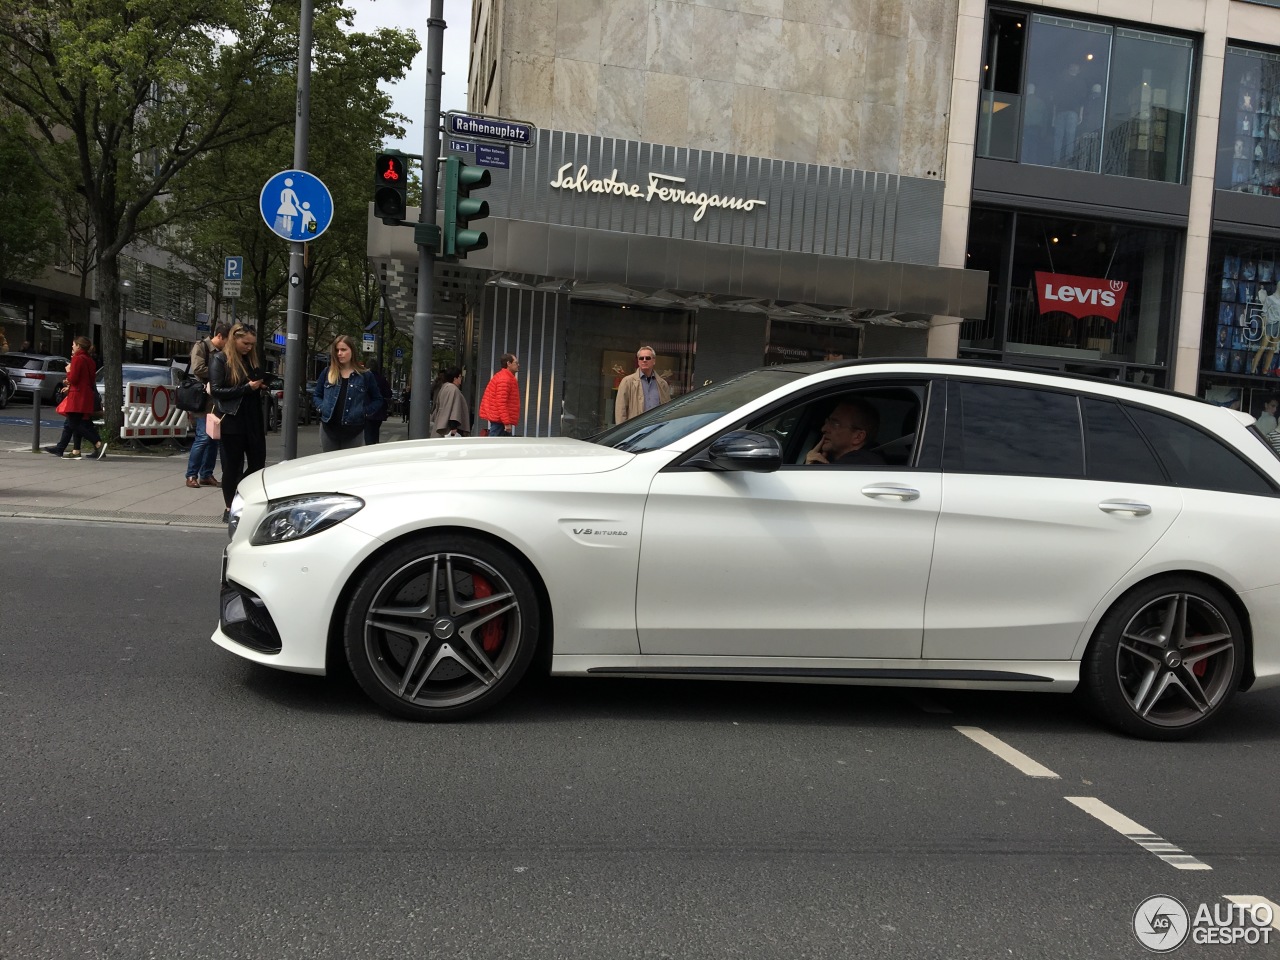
column 350, row 118
column 123, row 95
column 28, row 212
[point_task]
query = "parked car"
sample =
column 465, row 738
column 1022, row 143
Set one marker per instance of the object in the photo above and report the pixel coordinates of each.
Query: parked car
column 7, row 387
column 977, row 527
column 35, row 373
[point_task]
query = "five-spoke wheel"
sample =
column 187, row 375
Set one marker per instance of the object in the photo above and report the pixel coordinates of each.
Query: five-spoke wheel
column 1165, row 659
column 442, row 628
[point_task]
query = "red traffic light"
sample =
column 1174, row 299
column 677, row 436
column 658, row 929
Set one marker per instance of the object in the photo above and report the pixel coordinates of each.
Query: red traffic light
column 389, row 168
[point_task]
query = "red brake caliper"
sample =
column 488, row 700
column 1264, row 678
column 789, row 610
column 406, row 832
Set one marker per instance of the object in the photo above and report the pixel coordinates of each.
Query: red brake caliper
column 491, row 632
column 1200, row 666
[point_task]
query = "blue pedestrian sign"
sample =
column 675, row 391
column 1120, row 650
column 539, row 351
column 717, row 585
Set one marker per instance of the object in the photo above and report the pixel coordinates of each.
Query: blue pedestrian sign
column 296, row 205
column 233, row 268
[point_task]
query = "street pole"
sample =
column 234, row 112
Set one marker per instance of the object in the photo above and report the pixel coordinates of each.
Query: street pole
column 423, row 320
column 294, row 342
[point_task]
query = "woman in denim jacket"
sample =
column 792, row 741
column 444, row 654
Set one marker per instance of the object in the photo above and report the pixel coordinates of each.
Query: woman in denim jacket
column 346, row 395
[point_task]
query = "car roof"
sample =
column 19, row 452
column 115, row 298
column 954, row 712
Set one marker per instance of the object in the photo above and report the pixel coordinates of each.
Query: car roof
column 26, row 355
column 941, row 365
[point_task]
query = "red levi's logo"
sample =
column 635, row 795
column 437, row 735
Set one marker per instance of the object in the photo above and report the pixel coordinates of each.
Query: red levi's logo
column 1080, row 296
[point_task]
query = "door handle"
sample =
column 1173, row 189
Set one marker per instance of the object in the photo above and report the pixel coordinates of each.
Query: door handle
column 893, row 490
column 1125, row 506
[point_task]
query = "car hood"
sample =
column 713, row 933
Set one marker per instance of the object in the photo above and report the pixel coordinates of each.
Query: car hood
column 436, row 461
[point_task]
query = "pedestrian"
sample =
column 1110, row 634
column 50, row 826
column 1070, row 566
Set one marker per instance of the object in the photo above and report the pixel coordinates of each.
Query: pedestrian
column 450, row 415
column 236, row 382
column 204, row 448
column 345, row 394
column 500, row 404
column 373, row 421
column 78, row 405
column 642, row 390
column 404, row 402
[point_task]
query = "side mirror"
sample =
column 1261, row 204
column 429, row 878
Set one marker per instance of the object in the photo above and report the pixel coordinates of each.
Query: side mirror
column 746, row 450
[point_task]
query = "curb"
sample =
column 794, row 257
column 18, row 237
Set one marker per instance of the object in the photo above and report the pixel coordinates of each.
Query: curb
column 26, row 512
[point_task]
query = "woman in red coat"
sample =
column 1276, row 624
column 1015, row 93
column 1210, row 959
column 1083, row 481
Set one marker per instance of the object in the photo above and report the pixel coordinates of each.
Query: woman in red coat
column 78, row 404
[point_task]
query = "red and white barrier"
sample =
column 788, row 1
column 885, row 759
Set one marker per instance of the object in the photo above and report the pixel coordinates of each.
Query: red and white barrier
column 151, row 412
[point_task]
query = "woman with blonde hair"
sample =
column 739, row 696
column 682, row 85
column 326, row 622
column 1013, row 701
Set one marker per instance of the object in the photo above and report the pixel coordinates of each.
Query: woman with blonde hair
column 236, row 382
column 346, row 395
column 78, row 404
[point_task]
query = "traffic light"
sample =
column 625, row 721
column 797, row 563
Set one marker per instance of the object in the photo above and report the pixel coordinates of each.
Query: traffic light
column 460, row 208
column 390, row 187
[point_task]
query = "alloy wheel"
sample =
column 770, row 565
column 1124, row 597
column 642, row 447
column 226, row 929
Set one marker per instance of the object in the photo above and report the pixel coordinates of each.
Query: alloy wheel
column 443, row 630
column 1176, row 660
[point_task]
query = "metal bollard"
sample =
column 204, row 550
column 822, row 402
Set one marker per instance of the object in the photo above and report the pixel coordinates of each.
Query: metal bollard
column 35, row 422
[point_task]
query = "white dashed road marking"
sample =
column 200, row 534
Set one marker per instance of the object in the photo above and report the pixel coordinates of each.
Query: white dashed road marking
column 1246, row 900
column 1117, row 821
column 1006, row 753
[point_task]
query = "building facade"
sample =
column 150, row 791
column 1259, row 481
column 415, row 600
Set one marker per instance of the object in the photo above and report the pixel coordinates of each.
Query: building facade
column 1084, row 185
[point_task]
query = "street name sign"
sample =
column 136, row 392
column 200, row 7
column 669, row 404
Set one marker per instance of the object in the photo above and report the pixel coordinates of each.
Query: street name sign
column 296, row 205
column 515, row 133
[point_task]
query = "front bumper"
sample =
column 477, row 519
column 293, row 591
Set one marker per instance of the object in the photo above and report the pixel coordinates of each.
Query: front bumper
column 277, row 602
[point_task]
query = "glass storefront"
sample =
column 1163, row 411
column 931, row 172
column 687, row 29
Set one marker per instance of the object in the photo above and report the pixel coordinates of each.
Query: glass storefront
column 600, row 349
column 1094, row 296
column 1086, row 96
column 1240, row 353
column 1249, row 125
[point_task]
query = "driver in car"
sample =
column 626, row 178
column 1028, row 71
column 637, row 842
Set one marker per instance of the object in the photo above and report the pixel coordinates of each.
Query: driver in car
column 847, row 434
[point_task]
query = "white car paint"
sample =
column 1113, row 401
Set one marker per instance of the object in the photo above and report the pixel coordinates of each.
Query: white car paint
column 800, row 574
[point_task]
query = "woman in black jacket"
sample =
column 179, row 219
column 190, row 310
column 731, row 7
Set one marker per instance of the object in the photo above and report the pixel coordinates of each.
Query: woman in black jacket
column 236, row 382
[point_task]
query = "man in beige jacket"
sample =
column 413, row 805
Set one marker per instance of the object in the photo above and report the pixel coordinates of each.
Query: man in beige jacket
column 642, row 390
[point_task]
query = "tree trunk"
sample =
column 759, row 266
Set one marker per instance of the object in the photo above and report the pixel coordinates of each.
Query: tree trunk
column 111, row 315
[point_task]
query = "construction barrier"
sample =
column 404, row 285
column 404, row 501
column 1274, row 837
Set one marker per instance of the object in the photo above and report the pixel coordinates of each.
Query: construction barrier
column 151, row 412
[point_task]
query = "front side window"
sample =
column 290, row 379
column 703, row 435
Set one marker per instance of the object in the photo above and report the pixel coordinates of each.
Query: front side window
column 1082, row 95
column 992, row 428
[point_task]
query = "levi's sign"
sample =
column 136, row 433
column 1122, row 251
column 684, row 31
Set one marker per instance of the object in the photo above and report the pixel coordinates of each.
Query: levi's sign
column 1080, row 296
column 660, row 187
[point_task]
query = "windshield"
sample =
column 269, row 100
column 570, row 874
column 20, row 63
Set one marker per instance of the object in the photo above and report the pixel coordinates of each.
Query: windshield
column 16, row 361
column 671, row 421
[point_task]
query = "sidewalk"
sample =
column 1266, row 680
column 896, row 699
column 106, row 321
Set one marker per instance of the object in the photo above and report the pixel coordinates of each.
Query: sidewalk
column 128, row 486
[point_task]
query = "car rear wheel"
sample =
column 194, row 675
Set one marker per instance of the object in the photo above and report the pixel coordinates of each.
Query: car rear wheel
column 442, row 628
column 1165, row 660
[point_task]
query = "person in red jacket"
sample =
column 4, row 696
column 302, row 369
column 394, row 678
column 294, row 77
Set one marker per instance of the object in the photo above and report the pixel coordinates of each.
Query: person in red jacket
column 500, row 404
column 78, row 404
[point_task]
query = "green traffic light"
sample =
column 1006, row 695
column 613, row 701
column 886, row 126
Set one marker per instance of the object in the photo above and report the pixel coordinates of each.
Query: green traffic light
column 460, row 209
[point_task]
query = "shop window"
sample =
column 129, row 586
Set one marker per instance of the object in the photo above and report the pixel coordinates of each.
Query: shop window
column 1249, row 124
column 1240, row 352
column 1091, row 96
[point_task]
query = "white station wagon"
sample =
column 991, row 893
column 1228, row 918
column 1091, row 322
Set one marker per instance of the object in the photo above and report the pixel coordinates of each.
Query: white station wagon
column 908, row 523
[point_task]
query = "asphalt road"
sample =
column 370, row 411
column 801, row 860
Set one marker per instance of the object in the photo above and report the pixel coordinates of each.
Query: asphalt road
column 161, row 798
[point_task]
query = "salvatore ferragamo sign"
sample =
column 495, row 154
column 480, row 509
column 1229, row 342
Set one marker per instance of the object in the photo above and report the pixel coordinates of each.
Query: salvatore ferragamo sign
column 659, row 188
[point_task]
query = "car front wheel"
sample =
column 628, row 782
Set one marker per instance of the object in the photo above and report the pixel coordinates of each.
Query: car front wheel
column 442, row 628
column 1165, row 660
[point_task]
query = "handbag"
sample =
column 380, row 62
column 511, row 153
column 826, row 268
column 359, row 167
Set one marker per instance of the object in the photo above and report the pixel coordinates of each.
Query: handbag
column 213, row 426
column 190, row 394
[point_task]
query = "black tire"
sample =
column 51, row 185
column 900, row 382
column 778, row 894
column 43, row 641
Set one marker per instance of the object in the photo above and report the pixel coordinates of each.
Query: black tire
column 421, row 638
column 1165, row 660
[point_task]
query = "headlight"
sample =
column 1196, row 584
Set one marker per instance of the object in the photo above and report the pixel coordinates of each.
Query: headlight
column 299, row 517
column 233, row 514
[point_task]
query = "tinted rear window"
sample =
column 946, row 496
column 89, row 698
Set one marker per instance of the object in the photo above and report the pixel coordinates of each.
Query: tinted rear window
column 1114, row 449
column 1194, row 458
column 1014, row 430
